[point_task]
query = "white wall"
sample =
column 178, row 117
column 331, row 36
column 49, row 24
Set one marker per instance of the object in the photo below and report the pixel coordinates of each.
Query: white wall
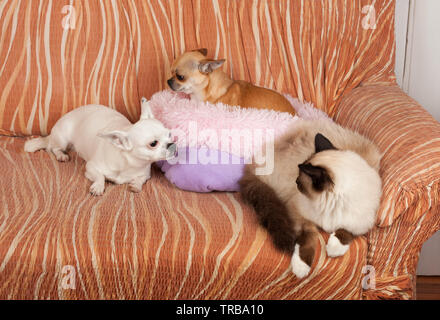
column 402, row 11
column 418, row 73
column 429, row 261
column 422, row 66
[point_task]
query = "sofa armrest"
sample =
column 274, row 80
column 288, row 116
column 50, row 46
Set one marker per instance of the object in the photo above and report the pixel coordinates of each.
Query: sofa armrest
column 409, row 138
column 393, row 254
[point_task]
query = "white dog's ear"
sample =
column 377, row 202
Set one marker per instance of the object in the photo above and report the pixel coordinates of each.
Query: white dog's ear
column 207, row 66
column 119, row 139
column 146, row 112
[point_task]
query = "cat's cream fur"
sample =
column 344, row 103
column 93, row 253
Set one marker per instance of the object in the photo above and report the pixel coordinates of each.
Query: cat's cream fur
column 352, row 202
column 345, row 204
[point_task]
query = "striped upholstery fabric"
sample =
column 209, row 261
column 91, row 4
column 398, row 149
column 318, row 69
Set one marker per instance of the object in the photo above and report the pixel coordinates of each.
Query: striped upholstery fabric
column 163, row 243
column 393, row 251
column 58, row 242
column 56, row 55
column 410, row 209
column 314, row 50
column 62, row 54
column 397, row 124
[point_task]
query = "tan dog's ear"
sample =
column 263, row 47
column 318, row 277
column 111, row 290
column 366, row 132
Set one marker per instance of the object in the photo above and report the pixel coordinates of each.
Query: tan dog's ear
column 203, row 51
column 207, row 66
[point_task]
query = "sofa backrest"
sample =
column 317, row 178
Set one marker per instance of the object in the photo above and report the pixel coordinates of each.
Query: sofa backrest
column 59, row 55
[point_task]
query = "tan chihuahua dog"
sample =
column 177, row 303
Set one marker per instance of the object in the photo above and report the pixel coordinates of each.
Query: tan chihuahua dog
column 203, row 80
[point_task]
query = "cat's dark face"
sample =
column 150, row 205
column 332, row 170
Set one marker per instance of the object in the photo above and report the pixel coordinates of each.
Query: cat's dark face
column 314, row 179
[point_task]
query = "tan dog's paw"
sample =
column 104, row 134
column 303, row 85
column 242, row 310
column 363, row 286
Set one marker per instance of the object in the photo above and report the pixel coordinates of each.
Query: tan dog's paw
column 97, row 189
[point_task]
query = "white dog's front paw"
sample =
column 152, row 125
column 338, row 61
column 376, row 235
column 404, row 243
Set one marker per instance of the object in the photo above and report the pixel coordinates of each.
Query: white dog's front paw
column 335, row 248
column 299, row 267
column 62, row 157
column 97, row 189
column 136, row 184
column 135, row 187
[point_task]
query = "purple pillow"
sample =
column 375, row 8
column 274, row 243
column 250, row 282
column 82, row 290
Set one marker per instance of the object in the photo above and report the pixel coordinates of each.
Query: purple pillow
column 203, row 170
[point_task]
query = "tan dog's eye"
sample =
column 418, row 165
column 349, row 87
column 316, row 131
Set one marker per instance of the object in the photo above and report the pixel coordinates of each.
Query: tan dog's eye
column 180, row 77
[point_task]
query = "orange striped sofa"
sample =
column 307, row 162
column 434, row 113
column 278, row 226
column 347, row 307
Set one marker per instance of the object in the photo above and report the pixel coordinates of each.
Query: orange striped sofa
column 58, row 242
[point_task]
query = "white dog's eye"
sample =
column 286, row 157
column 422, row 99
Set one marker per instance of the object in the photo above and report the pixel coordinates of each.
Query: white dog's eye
column 154, row 144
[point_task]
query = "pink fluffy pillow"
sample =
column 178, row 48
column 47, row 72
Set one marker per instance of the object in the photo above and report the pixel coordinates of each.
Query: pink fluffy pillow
column 229, row 129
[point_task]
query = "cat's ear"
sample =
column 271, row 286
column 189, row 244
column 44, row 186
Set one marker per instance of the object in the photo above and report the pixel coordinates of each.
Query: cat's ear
column 321, row 179
column 322, row 143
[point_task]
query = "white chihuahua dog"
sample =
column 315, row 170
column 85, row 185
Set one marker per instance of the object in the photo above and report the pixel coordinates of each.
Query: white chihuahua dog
column 113, row 147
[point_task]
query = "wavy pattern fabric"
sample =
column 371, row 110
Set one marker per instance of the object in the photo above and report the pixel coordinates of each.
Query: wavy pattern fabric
column 56, row 55
column 313, row 50
column 62, row 54
column 163, row 243
column 394, row 252
column 397, row 124
column 57, row 242
column 410, row 208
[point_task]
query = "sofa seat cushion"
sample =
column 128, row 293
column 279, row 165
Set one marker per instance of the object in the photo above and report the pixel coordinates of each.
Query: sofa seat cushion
column 59, row 242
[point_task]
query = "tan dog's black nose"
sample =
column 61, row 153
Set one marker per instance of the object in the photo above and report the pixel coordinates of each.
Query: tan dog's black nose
column 170, row 83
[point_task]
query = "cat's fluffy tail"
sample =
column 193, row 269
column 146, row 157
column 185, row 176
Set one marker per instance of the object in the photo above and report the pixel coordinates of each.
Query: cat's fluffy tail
column 272, row 213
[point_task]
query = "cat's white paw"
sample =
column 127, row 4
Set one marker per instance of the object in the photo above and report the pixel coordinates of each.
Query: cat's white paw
column 299, row 267
column 335, row 248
